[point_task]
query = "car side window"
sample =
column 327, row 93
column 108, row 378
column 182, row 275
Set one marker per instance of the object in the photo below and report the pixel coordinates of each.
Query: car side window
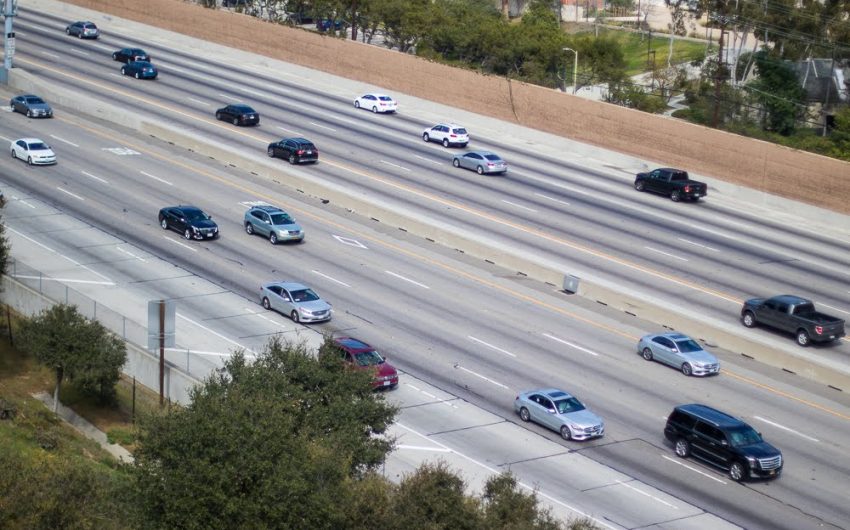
column 275, row 289
column 782, row 307
column 770, row 304
column 265, row 217
column 548, row 405
column 664, row 341
column 709, row 431
column 21, row 144
column 684, row 420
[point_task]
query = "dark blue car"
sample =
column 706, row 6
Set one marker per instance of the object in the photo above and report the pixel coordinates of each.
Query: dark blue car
column 327, row 24
column 139, row 70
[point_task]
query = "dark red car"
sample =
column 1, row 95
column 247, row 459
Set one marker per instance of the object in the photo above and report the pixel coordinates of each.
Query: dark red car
column 364, row 357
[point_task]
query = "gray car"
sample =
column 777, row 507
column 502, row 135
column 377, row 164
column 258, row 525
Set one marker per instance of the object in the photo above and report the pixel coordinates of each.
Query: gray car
column 481, row 162
column 32, row 106
column 273, row 223
column 680, row 352
column 561, row 412
column 297, row 301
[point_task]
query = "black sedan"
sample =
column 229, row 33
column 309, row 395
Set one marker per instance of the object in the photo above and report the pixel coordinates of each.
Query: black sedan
column 139, row 70
column 32, row 106
column 296, row 150
column 190, row 221
column 126, row 55
column 238, row 115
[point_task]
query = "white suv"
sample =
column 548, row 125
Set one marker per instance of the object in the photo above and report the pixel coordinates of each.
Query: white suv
column 447, row 134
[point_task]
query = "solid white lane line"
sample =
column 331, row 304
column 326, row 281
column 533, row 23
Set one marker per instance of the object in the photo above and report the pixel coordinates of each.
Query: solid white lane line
column 552, row 199
column 75, row 262
column 476, row 374
column 400, row 277
column 6, row 139
column 81, row 52
column 296, row 133
column 570, row 344
column 713, row 232
column 219, row 335
column 199, row 102
column 264, row 317
column 693, row 469
column 31, row 240
column 74, row 195
column 519, row 206
column 666, row 253
column 63, row 140
column 330, row 278
column 834, row 308
column 688, row 241
column 320, row 126
column 181, row 244
column 21, row 201
column 421, row 448
column 225, row 96
column 119, row 249
column 61, row 280
column 420, row 157
column 156, row 178
column 788, row 429
column 413, row 387
column 394, row 165
column 479, row 341
column 50, row 55
column 495, row 471
column 86, row 173
column 620, row 482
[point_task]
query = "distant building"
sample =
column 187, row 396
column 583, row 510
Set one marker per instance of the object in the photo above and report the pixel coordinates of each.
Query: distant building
column 827, row 86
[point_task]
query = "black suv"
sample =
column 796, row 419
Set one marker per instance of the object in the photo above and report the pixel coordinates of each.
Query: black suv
column 296, row 150
column 238, row 115
column 722, row 440
column 190, row 221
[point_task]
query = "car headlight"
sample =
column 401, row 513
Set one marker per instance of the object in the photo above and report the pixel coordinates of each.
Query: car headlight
column 195, row 229
column 304, row 311
column 752, row 461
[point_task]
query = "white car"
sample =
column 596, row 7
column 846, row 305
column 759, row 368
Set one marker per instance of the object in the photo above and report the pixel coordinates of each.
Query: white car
column 33, row 150
column 376, row 103
column 448, row 134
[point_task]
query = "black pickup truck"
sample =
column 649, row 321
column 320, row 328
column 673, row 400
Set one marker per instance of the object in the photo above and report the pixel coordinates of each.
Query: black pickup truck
column 674, row 183
column 794, row 315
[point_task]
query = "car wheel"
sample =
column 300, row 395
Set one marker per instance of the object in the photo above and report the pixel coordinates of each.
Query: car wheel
column 647, row 354
column 676, row 196
column 67, row 31
column 426, row 137
column 456, row 162
column 479, row 170
column 749, row 319
column 273, row 238
column 294, row 316
column 12, row 152
column 29, row 113
column 375, row 110
column 271, row 152
column 640, row 185
column 565, row 433
column 80, row 35
column 356, row 104
column 292, row 159
column 137, row 75
column 803, row 337
column 683, row 448
column 249, row 228
column 235, row 121
column 737, row 471
column 187, row 234
column 123, row 71
column 266, row 304
column 445, row 142
column 218, row 116
column 114, row 56
column 163, row 223
column 687, row 370
column 524, row 415
column 29, row 160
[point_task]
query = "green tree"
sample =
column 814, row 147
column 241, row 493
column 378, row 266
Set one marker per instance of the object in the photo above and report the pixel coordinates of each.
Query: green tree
column 601, row 60
column 5, row 247
column 507, row 506
column 433, row 497
column 779, row 93
column 278, row 442
column 76, row 348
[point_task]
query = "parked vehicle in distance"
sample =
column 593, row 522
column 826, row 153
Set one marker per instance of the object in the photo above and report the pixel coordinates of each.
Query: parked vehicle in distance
column 680, row 352
column 559, row 411
column 447, row 134
column 33, row 150
column 273, row 223
column 794, row 315
column 675, row 183
column 723, row 441
column 126, row 55
column 32, row 106
column 190, row 221
column 139, row 70
column 297, row 301
column 361, row 356
column 238, row 115
column 482, row 162
column 83, row 30
column 296, row 150
column 376, row 103
column 326, row 24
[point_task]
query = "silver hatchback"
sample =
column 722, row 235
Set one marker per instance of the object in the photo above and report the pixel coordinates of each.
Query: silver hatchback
column 273, row 223
column 561, row 412
column 680, row 352
column 295, row 300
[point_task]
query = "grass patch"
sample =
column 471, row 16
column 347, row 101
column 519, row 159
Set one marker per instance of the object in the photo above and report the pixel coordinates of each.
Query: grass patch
column 635, row 46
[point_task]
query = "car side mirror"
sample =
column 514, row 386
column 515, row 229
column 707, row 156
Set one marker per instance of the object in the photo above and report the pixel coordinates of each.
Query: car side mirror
column 551, row 411
column 267, row 221
column 724, row 442
column 285, row 298
column 182, row 220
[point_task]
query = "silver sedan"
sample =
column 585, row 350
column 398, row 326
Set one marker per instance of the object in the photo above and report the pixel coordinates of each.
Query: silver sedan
column 297, row 301
column 559, row 411
column 481, row 162
column 680, row 352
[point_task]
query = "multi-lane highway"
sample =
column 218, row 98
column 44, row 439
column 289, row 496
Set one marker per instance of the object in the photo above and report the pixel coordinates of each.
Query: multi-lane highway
column 462, row 325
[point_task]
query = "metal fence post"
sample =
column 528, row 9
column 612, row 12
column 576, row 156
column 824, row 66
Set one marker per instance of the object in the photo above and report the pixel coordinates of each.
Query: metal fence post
column 66, row 295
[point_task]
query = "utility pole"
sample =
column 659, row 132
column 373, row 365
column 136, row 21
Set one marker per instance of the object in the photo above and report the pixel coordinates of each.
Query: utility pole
column 718, row 78
column 354, row 20
column 10, row 10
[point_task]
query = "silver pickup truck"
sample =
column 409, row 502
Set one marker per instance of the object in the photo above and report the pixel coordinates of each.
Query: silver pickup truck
column 795, row 315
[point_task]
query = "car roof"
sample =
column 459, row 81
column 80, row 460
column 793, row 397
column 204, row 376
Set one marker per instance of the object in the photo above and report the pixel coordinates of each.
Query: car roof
column 31, row 140
column 298, row 140
column 352, row 345
column 711, row 415
column 268, row 208
column 552, row 393
column 790, row 299
column 185, row 207
column 288, row 285
column 483, row 153
column 27, row 96
column 377, row 95
column 675, row 335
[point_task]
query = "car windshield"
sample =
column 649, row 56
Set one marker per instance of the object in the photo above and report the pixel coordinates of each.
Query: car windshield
column 385, row 98
column 568, row 405
column 137, row 52
column 493, row 158
column 459, row 131
column 243, row 108
column 688, row 346
column 744, row 436
column 368, row 358
column 196, row 215
column 281, row 219
column 304, row 295
column 35, row 101
column 39, row 146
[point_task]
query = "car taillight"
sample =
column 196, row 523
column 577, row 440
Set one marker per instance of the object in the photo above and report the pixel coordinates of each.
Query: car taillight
column 453, row 136
column 819, row 329
column 687, row 189
column 299, row 152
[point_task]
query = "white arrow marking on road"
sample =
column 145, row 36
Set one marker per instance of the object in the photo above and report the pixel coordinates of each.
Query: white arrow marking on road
column 479, row 341
column 570, row 344
column 400, row 277
column 350, row 241
column 784, row 428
